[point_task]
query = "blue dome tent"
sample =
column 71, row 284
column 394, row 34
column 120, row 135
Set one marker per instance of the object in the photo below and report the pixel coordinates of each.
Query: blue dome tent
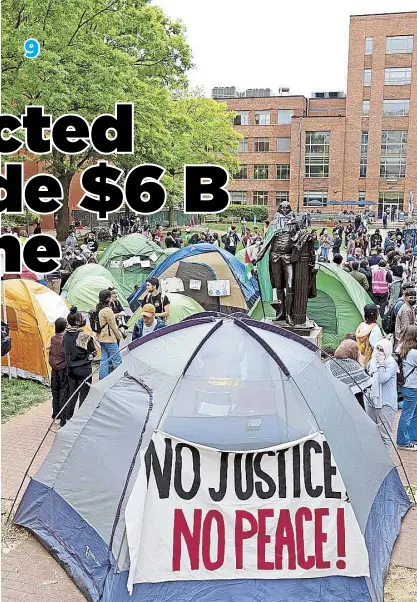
column 204, row 262
column 225, row 383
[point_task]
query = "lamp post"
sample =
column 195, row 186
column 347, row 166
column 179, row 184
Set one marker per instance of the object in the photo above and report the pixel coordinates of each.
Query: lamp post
column 299, row 165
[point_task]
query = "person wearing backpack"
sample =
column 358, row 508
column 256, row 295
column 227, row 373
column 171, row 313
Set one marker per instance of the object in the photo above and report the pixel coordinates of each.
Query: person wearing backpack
column 109, row 334
column 381, row 279
column 368, row 333
column 407, row 425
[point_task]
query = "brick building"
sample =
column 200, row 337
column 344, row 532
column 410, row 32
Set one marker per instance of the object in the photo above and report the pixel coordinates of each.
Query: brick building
column 358, row 146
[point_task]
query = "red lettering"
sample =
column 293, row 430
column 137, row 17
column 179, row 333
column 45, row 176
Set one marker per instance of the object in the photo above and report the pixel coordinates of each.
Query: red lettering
column 303, row 514
column 192, row 540
column 263, row 539
column 284, row 537
column 213, row 515
column 240, row 534
column 320, row 537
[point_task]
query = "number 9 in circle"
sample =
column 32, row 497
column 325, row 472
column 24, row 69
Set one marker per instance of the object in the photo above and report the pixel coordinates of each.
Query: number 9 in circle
column 32, row 48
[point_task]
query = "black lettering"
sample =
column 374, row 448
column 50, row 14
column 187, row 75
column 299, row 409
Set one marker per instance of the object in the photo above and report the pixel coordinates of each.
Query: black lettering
column 207, row 180
column 282, row 473
column 146, row 197
column 187, row 495
column 218, row 495
column 122, row 124
column 42, row 246
column 308, row 446
column 296, row 470
column 329, row 471
column 35, row 122
column 71, row 134
column 12, row 252
column 268, row 480
column 162, row 478
column 244, row 495
column 9, row 145
column 42, row 192
column 12, row 184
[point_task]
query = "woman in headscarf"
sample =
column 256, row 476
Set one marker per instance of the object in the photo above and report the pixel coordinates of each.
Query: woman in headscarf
column 346, row 367
column 368, row 333
column 383, row 402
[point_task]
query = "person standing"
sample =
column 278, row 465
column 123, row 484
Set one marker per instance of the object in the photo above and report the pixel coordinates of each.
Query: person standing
column 405, row 316
column 80, row 350
column 385, row 220
column 407, row 425
column 368, row 334
column 367, row 272
column 337, row 243
column 383, row 395
column 155, row 298
column 376, row 239
column 59, row 375
column 358, row 276
column 325, row 244
column 381, row 279
column 109, row 335
column 231, row 241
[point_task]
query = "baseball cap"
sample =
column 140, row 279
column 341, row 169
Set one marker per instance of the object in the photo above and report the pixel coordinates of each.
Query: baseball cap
column 148, row 310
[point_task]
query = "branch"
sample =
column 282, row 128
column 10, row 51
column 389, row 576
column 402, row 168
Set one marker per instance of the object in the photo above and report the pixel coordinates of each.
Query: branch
column 84, row 159
column 19, row 16
column 47, row 14
column 82, row 23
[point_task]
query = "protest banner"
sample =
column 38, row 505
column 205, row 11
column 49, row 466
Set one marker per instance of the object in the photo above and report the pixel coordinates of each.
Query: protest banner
column 278, row 513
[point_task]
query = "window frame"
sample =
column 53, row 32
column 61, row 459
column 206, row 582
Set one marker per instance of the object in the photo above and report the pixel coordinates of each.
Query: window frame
column 393, row 163
column 245, row 143
column 259, row 168
column 238, row 176
column 406, row 50
column 263, row 113
column 363, row 161
column 367, row 51
column 390, row 70
column 316, row 193
column 263, row 193
column 244, row 200
column 366, row 72
column 317, row 154
column 282, row 111
column 283, row 168
column 261, row 140
column 369, row 108
column 240, row 114
column 392, row 102
column 289, row 146
column 284, row 195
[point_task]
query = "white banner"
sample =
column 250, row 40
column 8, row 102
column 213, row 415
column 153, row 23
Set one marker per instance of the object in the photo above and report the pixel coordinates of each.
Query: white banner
column 279, row 513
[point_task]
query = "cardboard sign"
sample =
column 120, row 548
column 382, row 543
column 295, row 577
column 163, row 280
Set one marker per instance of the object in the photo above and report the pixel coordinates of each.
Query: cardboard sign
column 278, row 513
column 195, row 285
column 172, row 285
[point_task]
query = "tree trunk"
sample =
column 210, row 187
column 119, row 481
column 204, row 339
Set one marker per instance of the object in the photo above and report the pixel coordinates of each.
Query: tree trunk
column 171, row 216
column 63, row 217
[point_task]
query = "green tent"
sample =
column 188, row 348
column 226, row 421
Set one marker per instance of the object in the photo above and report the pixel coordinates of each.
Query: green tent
column 131, row 259
column 84, row 285
column 338, row 307
column 181, row 307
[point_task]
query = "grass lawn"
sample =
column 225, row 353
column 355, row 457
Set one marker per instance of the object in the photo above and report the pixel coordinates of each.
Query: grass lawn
column 17, row 395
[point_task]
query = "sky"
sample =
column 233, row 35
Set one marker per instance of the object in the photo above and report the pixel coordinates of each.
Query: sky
column 302, row 45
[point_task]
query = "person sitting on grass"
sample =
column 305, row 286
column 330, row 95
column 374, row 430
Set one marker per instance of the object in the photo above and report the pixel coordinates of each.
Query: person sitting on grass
column 147, row 323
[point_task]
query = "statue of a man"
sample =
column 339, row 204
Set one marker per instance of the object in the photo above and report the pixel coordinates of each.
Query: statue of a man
column 290, row 245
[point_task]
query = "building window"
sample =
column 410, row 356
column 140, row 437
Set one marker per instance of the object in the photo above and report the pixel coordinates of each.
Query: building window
column 243, row 146
column 260, row 172
column 262, row 117
column 317, row 152
column 364, row 155
column 392, row 203
column 362, row 195
column 261, row 145
column 367, row 77
column 369, row 45
column 237, row 197
column 282, row 195
column 396, row 108
column 397, row 76
column 242, row 174
column 242, row 118
column 285, row 116
column 393, row 154
column 315, row 198
column 400, row 44
column 260, row 197
column 283, row 172
column 366, row 105
column 283, row 145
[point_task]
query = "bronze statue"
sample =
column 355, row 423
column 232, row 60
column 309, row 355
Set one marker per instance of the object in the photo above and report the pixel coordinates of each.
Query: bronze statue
column 291, row 266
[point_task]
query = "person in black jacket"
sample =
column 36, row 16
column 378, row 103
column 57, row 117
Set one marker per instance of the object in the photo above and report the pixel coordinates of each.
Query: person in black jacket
column 59, row 375
column 80, row 350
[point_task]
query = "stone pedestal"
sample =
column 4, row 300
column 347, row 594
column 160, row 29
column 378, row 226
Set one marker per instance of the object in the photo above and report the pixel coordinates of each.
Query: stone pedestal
column 309, row 331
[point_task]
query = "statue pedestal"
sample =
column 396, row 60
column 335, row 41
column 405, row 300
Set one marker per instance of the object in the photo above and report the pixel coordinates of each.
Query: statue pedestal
column 309, row 331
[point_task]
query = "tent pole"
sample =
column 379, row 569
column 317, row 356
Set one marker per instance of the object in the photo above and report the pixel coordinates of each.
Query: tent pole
column 3, row 301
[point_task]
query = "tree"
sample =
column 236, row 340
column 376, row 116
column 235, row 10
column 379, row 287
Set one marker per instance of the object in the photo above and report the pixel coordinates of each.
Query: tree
column 201, row 131
column 94, row 53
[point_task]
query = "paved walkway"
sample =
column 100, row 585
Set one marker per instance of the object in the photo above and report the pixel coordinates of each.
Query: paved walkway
column 29, row 573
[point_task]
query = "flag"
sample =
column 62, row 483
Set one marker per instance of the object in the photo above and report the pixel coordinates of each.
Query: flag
column 248, row 266
column 411, row 202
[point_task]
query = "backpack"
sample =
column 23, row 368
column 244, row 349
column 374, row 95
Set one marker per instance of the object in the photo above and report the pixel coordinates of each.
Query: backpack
column 388, row 321
column 94, row 321
column 401, row 378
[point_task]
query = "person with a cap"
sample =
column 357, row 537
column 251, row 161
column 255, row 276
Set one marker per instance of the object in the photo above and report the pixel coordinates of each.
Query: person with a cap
column 147, row 323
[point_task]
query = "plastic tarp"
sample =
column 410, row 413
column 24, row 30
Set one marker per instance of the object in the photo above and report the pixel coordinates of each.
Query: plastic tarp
column 180, row 307
column 124, row 249
column 84, row 285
